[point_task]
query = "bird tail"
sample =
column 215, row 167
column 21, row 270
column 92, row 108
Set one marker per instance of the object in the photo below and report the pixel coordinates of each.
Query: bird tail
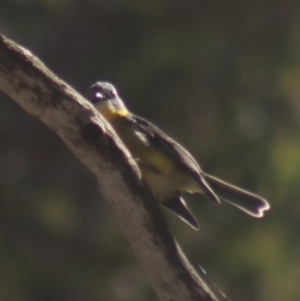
column 248, row 202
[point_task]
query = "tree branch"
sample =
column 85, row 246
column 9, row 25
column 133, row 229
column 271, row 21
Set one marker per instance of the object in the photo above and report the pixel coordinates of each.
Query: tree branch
column 42, row 94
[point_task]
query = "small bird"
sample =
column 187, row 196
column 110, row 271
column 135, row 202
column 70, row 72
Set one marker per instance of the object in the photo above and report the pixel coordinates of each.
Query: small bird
column 167, row 167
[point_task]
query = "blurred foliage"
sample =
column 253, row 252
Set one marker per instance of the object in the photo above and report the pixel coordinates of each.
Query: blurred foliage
column 222, row 77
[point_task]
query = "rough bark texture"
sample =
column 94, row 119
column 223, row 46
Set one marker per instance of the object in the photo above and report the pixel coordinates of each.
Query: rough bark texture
column 42, row 94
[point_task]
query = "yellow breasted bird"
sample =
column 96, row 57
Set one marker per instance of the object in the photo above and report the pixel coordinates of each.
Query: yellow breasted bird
column 167, row 167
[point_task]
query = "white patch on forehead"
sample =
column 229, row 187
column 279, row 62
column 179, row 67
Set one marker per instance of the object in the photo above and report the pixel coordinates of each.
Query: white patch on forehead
column 99, row 95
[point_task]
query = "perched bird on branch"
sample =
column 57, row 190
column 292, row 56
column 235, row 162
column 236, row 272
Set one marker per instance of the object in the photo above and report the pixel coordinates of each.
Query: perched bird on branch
column 166, row 166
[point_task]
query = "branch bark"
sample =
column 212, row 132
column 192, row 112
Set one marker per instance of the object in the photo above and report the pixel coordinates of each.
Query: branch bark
column 42, row 94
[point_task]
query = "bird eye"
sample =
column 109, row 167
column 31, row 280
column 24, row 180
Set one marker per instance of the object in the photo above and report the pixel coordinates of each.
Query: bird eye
column 109, row 93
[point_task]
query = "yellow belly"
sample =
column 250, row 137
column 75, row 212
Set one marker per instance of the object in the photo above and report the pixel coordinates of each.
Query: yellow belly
column 163, row 174
column 167, row 185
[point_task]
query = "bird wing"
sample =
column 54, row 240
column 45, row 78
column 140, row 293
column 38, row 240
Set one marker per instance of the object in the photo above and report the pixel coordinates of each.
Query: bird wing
column 148, row 131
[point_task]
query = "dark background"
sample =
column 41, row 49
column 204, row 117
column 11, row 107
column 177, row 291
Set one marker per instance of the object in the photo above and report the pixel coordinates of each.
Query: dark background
column 223, row 78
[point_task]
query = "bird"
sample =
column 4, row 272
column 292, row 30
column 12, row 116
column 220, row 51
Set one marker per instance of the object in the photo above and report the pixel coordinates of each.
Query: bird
column 166, row 166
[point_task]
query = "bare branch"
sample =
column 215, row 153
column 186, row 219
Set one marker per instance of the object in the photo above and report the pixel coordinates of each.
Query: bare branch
column 42, row 94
